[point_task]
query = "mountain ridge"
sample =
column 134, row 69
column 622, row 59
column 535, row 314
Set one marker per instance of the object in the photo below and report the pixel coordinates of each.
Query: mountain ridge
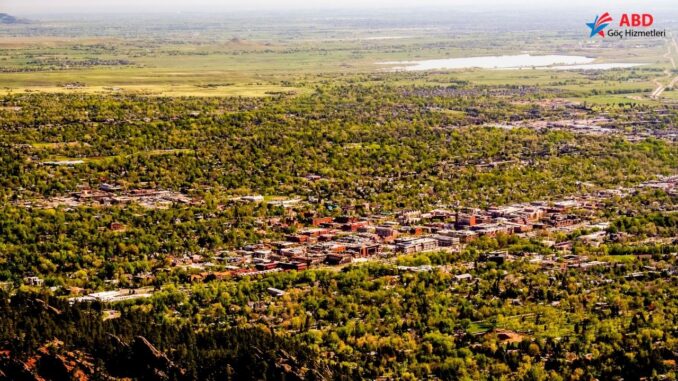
column 6, row 18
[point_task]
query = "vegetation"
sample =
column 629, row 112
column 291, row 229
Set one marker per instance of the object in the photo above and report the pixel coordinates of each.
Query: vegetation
column 294, row 111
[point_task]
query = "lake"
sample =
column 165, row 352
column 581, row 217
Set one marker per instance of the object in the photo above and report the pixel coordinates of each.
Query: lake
column 556, row 62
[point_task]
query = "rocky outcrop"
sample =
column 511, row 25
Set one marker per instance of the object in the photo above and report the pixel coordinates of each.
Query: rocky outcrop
column 139, row 359
column 154, row 363
column 51, row 362
column 15, row 370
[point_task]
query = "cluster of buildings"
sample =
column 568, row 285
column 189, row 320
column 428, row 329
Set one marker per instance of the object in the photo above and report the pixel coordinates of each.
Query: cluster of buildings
column 114, row 296
column 341, row 240
column 637, row 126
column 345, row 239
column 107, row 195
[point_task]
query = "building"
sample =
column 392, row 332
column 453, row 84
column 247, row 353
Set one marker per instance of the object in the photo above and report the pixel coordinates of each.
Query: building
column 275, row 292
column 320, row 221
column 33, row 281
column 463, row 277
column 408, row 217
column 353, row 226
column 116, row 226
column 298, row 238
column 337, row 259
column 464, row 236
column 415, row 245
column 363, row 249
column 462, row 220
column 266, row 266
column 447, row 241
column 110, row 188
column 386, row 233
column 299, row 266
column 255, row 198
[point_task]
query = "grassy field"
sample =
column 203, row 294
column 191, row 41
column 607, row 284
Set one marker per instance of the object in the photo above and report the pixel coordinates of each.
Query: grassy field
column 220, row 59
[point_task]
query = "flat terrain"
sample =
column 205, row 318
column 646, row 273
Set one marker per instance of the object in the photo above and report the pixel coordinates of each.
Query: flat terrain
column 220, row 58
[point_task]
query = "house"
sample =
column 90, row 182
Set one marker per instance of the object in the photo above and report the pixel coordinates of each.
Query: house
column 463, row 277
column 366, row 229
column 33, row 281
column 594, row 239
column 254, row 198
column 109, row 188
column 589, row 265
column 498, row 257
column 116, row 226
column 312, row 177
column 564, row 246
column 416, row 269
column 275, row 292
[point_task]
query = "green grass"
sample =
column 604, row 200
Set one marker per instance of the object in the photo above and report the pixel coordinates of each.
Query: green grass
column 272, row 62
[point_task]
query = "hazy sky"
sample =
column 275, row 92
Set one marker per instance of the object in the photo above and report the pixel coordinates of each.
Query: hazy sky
column 86, row 6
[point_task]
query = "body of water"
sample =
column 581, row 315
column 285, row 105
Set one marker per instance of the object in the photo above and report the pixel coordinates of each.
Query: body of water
column 520, row 61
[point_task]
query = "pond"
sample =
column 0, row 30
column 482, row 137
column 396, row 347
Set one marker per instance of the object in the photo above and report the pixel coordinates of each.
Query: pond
column 557, row 62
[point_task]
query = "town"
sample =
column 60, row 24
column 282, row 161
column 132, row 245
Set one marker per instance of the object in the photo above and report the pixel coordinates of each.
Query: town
column 337, row 241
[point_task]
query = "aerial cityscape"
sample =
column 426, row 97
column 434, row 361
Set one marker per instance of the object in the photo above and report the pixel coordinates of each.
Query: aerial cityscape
column 383, row 191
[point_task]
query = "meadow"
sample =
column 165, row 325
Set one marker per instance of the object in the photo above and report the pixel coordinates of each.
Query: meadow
column 211, row 57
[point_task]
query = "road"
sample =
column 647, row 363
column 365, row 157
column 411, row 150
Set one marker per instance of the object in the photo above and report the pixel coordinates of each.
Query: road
column 660, row 87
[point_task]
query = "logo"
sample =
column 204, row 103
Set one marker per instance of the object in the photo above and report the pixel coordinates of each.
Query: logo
column 630, row 25
column 599, row 24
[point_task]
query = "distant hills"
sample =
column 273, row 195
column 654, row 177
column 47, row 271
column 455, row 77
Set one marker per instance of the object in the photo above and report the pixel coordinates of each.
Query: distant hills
column 9, row 19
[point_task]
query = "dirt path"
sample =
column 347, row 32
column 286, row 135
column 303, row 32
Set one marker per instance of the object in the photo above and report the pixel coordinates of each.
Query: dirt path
column 660, row 87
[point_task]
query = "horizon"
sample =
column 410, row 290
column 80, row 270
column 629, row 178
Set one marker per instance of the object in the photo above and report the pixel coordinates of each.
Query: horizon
column 76, row 7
